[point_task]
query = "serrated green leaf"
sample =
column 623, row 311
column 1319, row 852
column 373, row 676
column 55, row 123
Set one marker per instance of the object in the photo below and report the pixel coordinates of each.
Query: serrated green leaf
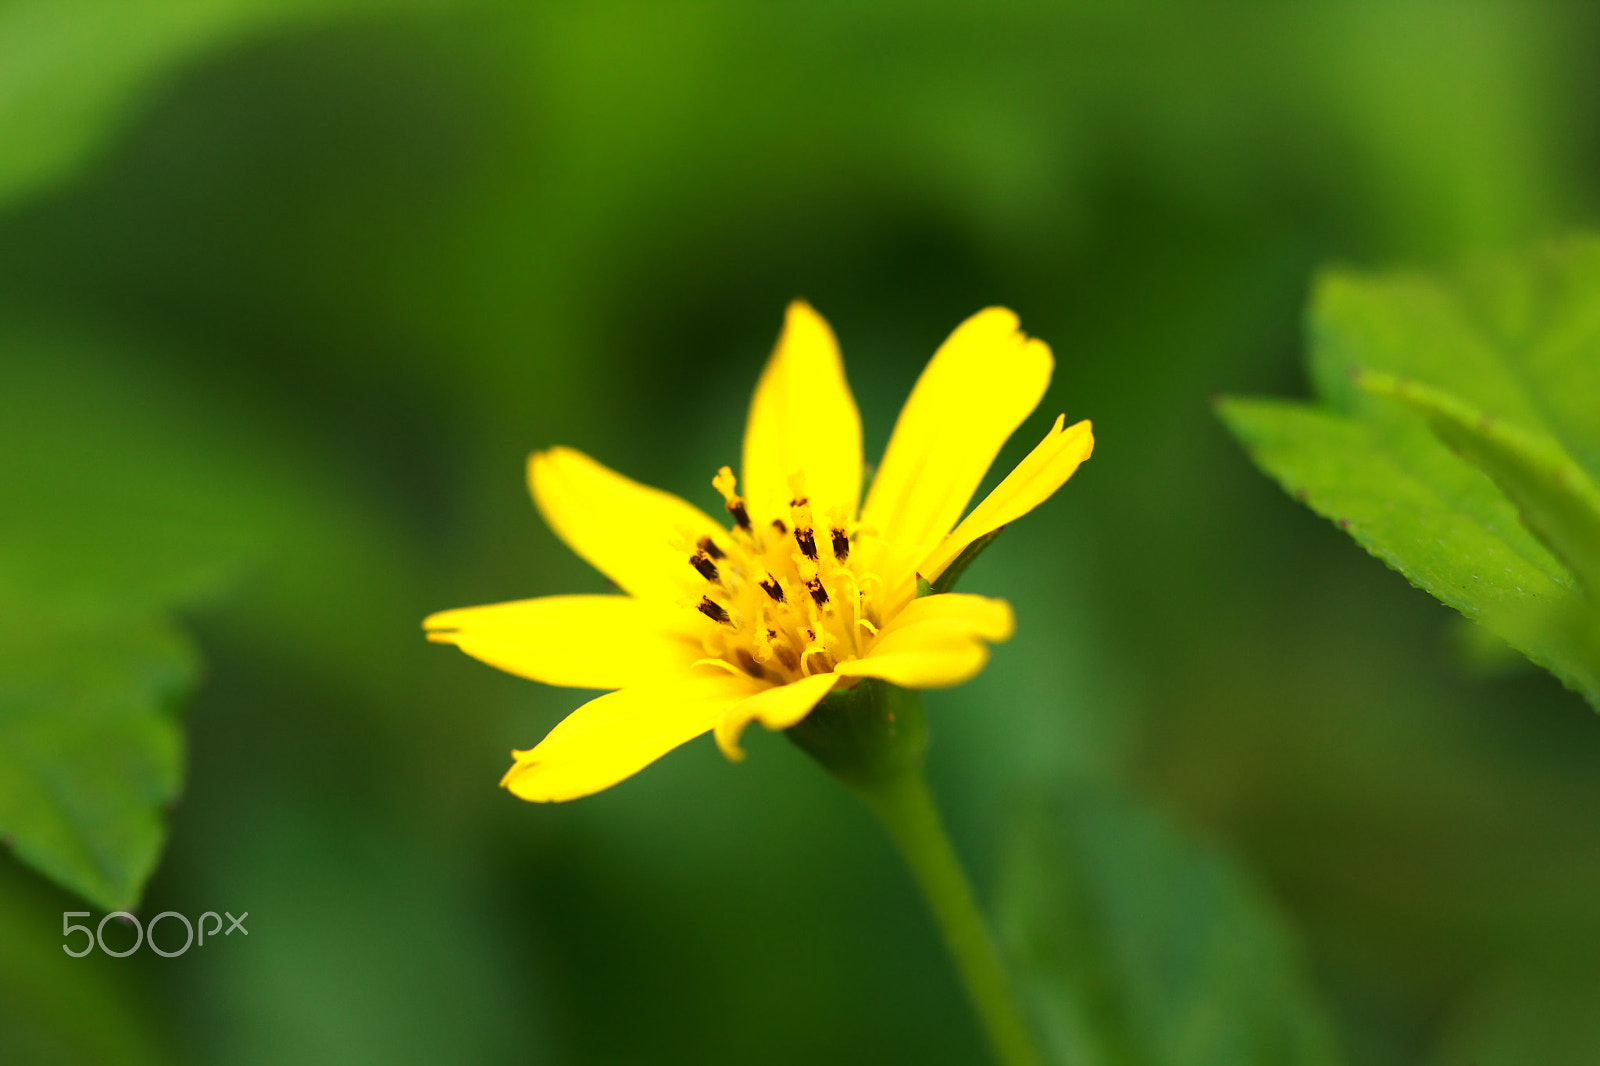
column 1555, row 498
column 109, row 530
column 91, row 748
column 1488, row 499
column 1434, row 518
column 1135, row 947
column 1517, row 337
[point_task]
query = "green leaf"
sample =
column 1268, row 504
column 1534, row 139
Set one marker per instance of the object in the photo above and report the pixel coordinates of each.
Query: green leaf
column 91, row 750
column 71, row 71
column 1135, row 947
column 1458, row 440
column 1555, row 498
column 110, row 529
column 1436, row 519
column 1517, row 337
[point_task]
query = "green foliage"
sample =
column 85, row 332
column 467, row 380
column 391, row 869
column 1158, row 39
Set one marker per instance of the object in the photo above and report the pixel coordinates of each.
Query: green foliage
column 92, row 669
column 402, row 252
column 71, row 71
column 90, row 748
column 1554, row 497
column 95, row 556
column 1458, row 440
column 1136, row 947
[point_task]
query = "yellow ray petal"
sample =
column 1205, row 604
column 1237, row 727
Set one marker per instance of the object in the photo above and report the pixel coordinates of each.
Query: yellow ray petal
column 1035, row 479
column 803, row 419
column 638, row 536
column 776, row 708
column 984, row 617
column 979, row 386
column 937, row 641
column 616, row 735
column 582, row 641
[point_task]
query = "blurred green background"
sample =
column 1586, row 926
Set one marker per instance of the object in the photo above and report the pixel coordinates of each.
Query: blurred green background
column 289, row 291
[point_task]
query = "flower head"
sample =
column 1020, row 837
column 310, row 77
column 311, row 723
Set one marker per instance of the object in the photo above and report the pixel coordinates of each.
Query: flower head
column 805, row 589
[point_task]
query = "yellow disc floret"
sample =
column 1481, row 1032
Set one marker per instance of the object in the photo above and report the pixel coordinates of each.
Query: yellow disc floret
column 785, row 598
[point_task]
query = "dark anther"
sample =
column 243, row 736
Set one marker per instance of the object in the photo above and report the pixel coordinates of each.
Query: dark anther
column 713, row 611
column 818, row 593
column 740, row 515
column 841, row 545
column 771, row 587
column 777, row 523
column 800, row 501
column 807, row 542
column 709, row 546
column 702, row 562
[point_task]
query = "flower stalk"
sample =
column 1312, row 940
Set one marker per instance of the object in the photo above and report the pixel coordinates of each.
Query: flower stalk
column 873, row 738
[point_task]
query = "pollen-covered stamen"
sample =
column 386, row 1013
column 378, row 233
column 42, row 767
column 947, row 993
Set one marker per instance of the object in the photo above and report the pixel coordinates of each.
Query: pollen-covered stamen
column 800, row 513
column 806, row 541
column 701, row 561
column 713, row 610
column 788, row 597
column 724, row 483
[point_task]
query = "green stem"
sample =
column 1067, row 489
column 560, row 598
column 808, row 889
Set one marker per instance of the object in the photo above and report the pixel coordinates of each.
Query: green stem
column 873, row 738
column 905, row 805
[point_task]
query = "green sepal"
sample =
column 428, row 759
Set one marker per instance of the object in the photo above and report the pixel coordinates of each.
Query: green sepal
column 865, row 735
column 958, row 566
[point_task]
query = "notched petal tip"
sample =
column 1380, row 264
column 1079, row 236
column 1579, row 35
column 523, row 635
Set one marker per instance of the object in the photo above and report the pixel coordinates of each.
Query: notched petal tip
column 984, row 380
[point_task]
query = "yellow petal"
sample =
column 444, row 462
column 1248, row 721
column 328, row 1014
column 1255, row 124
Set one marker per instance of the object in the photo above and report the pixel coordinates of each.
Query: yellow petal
column 616, row 735
column 937, row 641
column 582, row 641
column 803, row 420
column 777, row 708
column 639, row 537
column 1036, row 478
column 979, row 386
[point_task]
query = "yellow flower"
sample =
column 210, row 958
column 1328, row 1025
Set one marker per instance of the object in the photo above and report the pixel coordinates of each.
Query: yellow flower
column 720, row 627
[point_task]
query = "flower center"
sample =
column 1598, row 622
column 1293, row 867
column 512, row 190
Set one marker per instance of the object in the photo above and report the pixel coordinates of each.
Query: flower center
column 788, row 597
